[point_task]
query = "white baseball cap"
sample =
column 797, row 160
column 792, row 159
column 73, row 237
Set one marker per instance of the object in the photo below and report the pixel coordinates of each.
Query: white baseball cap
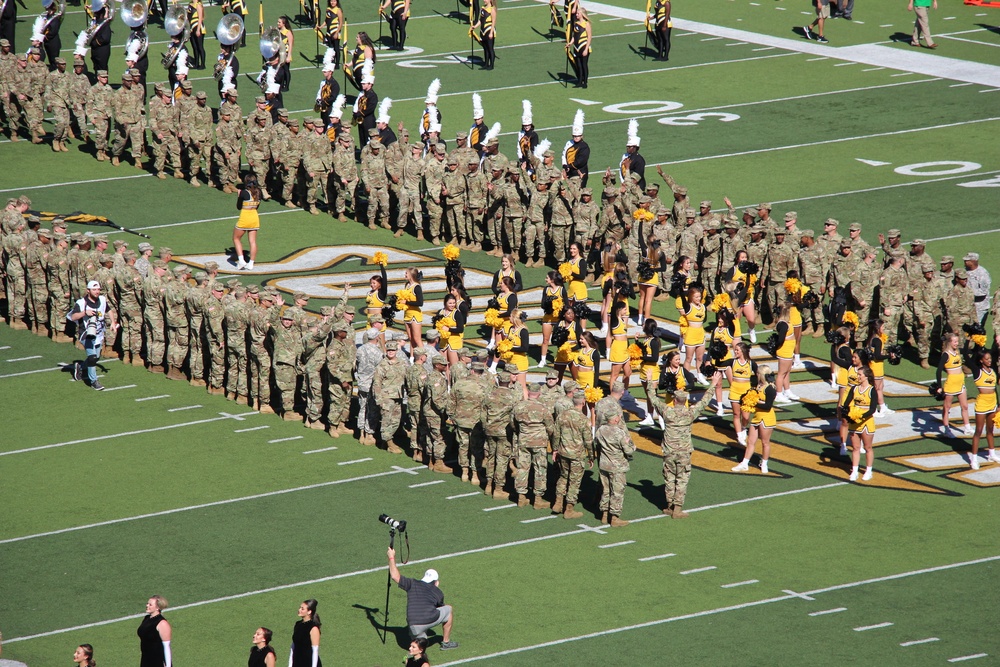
column 430, row 576
column 93, row 284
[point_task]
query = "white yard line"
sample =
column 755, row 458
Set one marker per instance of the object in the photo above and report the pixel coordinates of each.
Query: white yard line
column 741, row 583
column 120, row 387
column 347, row 463
column 317, row 451
column 152, row 398
column 699, row 569
column 93, row 180
column 541, row 518
column 865, row 628
column 963, row 658
column 616, row 544
column 463, row 495
column 10, row 361
column 499, row 507
column 124, row 434
column 916, row 642
column 186, row 407
column 247, row 430
column 430, row 483
column 276, row 441
column 828, row 611
column 658, row 557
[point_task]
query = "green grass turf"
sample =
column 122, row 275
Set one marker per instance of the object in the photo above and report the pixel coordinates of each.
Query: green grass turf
column 827, row 535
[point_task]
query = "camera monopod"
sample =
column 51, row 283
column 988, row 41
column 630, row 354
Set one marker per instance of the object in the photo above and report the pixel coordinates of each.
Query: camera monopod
column 394, row 526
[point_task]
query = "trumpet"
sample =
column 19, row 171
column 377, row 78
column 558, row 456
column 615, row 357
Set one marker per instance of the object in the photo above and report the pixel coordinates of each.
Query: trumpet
column 176, row 24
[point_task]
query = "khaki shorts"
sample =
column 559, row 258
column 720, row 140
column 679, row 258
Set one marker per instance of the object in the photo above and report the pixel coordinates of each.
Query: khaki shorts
column 823, row 10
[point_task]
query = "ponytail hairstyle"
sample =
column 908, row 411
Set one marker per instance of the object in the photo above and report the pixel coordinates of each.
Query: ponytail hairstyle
column 311, row 606
column 589, row 339
column 250, row 184
column 414, row 275
column 88, row 651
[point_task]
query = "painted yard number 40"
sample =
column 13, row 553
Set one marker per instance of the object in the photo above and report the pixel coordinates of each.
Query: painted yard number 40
column 658, row 106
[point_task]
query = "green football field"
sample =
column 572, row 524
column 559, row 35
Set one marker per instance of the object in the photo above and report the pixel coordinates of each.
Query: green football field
column 156, row 487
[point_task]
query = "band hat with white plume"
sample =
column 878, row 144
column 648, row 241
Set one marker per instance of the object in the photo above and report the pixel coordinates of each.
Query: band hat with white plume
column 526, row 118
column 368, row 72
column 36, row 30
column 432, row 92
column 337, row 110
column 492, row 134
column 81, row 45
column 542, row 148
column 328, row 58
column 633, row 133
column 383, row 111
column 182, row 62
column 272, row 84
column 578, row 123
column 477, row 106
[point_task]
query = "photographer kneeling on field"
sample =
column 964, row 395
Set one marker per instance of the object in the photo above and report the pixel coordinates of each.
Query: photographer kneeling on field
column 91, row 315
column 425, row 605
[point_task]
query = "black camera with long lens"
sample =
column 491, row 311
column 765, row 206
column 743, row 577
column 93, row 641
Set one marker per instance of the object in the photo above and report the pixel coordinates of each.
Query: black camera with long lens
column 392, row 523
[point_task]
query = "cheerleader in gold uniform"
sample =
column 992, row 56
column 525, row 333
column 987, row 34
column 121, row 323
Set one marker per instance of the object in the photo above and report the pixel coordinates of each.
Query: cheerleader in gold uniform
column 841, row 359
column 554, row 294
column 682, row 267
column 654, row 264
column 649, row 367
column 725, row 332
column 986, row 404
column 693, row 311
column 463, row 306
column 786, row 349
column 377, row 295
column 859, row 408
column 672, row 366
column 587, row 362
column 742, row 290
column 248, row 222
column 877, row 340
column 952, row 381
column 761, row 422
column 609, row 268
column 567, row 351
column 413, row 316
column 508, row 269
column 517, row 364
column 577, row 289
column 617, row 344
column 506, row 303
column 741, row 369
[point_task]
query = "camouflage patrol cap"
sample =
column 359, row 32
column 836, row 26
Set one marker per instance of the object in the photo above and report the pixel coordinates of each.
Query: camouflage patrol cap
column 461, row 135
column 750, row 211
column 655, row 187
column 201, row 95
column 291, row 312
column 682, row 190
column 478, row 366
column 690, row 213
column 107, row 258
column 420, row 351
column 4, row 42
column 780, row 231
column 268, row 295
column 846, row 243
column 548, row 154
column 439, row 361
column 715, row 225
column 681, row 396
column 492, row 141
column 473, row 160
column 300, row 296
column 945, row 259
column 705, row 204
column 432, row 334
column 831, row 221
column 391, row 346
column 225, row 111
column 253, row 289
column 349, row 310
column 181, row 269
column 764, row 205
column 610, row 192
column 570, row 386
column 186, row 85
column 893, row 234
column 100, row 238
column 60, row 61
column 34, row 51
column 372, row 132
column 211, row 266
column 58, row 236
column 233, row 283
column 463, row 352
column 730, row 224
column 160, row 264
column 552, row 374
column 534, row 388
column 199, row 276
column 644, row 200
column 260, row 99
column 808, row 232
column 586, row 192
column 143, row 247
column 160, row 89
column 232, row 92
column 121, row 243
column 758, row 229
column 216, row 286
column 440, row 147
column 282, row 112
column 378, row 319
column 326, row 311
column 855, row 227
column 453, row 161
column 294, row 122
column 164, row 250
column 503, row 377
column 22, row 57
column 129, row 255
column 927, row 267
column 918, row 242
column 961, row 274
column 44, row 233
column 791, row 216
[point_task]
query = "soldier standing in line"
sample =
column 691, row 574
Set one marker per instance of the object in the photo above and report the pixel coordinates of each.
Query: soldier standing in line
column 810, row 267
column 341, row 356
column 263, row 316
column 177, row 322
column 57, row 280
column 28, row 89
column 676, row 444
column 375, row 181
column 843, row 270
column 227, row 150
column 59, row 100
column 197, row 124
column 610, row 406
column 237, row 321
column 892, row 246
column 11, row 113
column 128, row 284
column 416, row 381
column 368, row 357
column 924, row 305
column 435, row 412
column 466, row 412
column 475, row 204
column 215, row 338
column 317, row 160
column 287, row 342
column 153, row 289
column 782, row 257
column 574, row 443
column 313, row 362
column 979, row 283
column 291, row 163
column 561, row 203
column 532, row 426
column 15, row 245
column 960, row 306
column 894, row 290
column 35, row 260
column 128, row 110
column 453, row 200
column 195, row 301
column 258, row 154
column 498, row 407
column 616, row 448
column 433, row 175
column 863, row 293
column 409, row 191
column 79, row 87
column 345, row 178
column 390, row 378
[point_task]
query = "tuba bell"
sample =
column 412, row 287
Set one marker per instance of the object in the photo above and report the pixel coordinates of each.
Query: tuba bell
column 270, row 43
column 134, row 14
column 176, row 24
column 97, row 6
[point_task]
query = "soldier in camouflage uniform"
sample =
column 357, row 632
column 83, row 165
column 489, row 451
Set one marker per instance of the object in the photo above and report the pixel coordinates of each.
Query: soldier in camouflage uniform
column 263, row 316
column 59, row 100
column 532, row 425
column 79, row 88
column 894, row 290
column 128, row 110
column 313, row 362
column 176, row 319
column 341, row 356
column 863, row 288
column 892, row 246
column 390, row 378
column 453, row 202
column 829, row 241
column 35, row 260
column 960, row 306
column 28, row 87
column 433, row 178
column 153, row 289
column 812, row 274
column 688, row 240
column 574, row 444
column 416, row 381
column 709, row 258
column 516, row 193
column 257, row 140
column 368, row 357
column 466, row 411
column 11, row 114
column 561, row 203
column 843, row 269
column 227, row 150
column 676, row 444
column 215, row 338
column 57, row 279
column 616, row 448
column 197, row 124
column 782, row 257
column 534, row 230
column 317, row 161
column 15, row 245
column 411, row 172
column 237, row 321
column 128, row 284
column 195, row 300
column 610, row 406
column 475, row 202
column 287, row 341
column 922, row 309
column 345, row 178
column 435, row 412
column 375, row 181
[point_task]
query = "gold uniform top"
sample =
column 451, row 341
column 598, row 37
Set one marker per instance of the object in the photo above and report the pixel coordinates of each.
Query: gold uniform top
column 373, row 301
column 862, row 398
column 196, row 22
column 987, row 379
column 285, row 35
column 333, row 20
column 722, row 335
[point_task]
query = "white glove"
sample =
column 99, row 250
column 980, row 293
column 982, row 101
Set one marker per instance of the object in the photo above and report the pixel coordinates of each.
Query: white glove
column 167, row 659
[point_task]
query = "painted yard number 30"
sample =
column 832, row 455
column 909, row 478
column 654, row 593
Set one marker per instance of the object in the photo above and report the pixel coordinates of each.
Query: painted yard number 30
column 661, row 106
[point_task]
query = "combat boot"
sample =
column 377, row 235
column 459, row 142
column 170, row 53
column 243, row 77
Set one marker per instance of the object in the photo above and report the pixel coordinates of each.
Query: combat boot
column 522, row 500
column 420, row 235
column 807, row 329
column 137, row 361
column 669, row 509
column 488, row 491
column 178, row 174
column 617, row 523
column 333, row 431
column 418, row 456
column 115, row 161
column 108, row 353
column 679, row 513
column 500, row 494
column 175, row 374
column 395, row 449
column 289, row 416
column 570, row 513
column 100, row 156
column 923, row 363
column 55, row 147
column 62, row 147
column 439, row 466
column 557, row 506
column 604, row 517
column 342, row 217
column 465, row 474
column 265, row 409
column 541, row 503
column 195, row 182
column 474, row 477
column 161, row 175
column 315, row 425
column 242, row 399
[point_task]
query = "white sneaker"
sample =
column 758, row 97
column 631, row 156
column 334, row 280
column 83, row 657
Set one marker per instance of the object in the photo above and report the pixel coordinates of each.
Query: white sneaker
column 240, row 264
column 741, row 437
column 648, row 421
column 682, row 349
column 541, row 363
column 603, row 331
column 968, row 430
column 249, row 266
column 854, row 476
column 863, row 450
column 753, row 335
column 843, row 450
column 659, row 420
column 974, row 461
column 781, row 399
column 763, row 467
column 886, row 411
column 493, row 367
column 791, row 396
column 720, row 411
column 702, row 379
column 833, row 384
column 993, row 456
column 798, row 366
column 743, row 466
column 867, row 477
